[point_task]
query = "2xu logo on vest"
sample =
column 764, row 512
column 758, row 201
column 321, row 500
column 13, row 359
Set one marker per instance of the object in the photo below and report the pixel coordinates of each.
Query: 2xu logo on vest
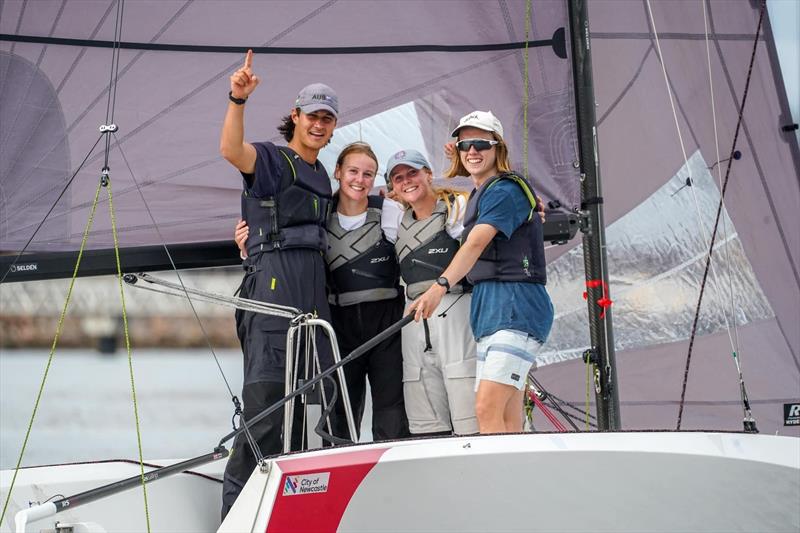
column 791, row 414
column 306, row 484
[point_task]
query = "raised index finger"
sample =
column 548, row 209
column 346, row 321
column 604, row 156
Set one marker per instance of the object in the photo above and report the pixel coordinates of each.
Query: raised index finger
column 248, row 59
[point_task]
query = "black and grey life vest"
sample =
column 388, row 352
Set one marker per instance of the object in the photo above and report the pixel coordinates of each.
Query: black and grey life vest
column 294, row 217
column 362, row 266
column 424, row 249
column 520, row 258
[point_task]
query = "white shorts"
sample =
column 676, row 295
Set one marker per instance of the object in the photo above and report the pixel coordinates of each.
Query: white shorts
column 505, row 357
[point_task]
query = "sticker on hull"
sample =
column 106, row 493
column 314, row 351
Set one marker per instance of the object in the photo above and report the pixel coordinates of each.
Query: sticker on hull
column 306, row 484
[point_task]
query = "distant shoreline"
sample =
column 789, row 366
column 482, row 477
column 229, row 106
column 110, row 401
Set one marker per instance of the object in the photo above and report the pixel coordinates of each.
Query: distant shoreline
column 19, row 332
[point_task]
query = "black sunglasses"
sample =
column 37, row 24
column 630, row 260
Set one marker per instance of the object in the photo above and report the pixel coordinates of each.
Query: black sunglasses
column 479, row 144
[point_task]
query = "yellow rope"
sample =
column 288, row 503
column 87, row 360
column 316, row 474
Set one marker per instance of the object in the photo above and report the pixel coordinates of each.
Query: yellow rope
column 59, row 327
column 128, row 348
column 525, row 94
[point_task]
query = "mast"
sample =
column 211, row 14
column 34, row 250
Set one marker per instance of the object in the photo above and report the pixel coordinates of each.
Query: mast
column 601, row 353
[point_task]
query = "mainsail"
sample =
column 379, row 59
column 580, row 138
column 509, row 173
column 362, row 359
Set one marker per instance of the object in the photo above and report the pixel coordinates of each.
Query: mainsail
column 445, row 58
column 171, row 85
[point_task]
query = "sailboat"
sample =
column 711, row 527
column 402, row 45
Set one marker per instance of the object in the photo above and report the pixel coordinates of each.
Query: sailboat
column 678, row 411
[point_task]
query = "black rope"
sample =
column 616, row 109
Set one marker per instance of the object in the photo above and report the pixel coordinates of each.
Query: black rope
column 112, row 88
column 719, row 214
column 578, row 410
column 443, row 314
column 234, row 399
column 545, row 396
column 569, row 416
column 325, row 417
column 115, row 61
column 128, row 461
column 114, row 57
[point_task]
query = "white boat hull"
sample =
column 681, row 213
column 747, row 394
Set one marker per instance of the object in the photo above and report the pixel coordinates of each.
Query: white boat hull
column 180, row 503
column 534, row 482
column 637, row 481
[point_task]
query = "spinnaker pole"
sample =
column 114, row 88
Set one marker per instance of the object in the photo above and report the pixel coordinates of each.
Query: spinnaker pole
column 601, row 354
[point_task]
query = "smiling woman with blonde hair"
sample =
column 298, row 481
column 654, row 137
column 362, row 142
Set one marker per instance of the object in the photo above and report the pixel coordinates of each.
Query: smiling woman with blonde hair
column 438, row 354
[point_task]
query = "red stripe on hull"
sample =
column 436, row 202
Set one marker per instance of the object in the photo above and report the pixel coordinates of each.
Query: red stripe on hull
column 297, row 511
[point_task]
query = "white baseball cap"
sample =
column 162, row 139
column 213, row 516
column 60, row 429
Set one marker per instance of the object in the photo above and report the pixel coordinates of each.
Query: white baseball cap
column 483, row 120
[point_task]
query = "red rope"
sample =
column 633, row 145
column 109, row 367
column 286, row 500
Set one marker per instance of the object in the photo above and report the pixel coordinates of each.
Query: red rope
column 546, row 411
column 604, row 302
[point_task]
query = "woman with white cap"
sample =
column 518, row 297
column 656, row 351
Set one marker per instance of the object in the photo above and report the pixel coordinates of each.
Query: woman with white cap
column 502, row 254
column 439, row 354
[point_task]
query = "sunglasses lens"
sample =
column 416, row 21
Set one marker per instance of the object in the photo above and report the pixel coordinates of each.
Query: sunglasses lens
column 480, row 145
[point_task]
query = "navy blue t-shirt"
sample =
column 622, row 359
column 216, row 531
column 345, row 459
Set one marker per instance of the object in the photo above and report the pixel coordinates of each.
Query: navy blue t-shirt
column 270, row 166
column 498, row 305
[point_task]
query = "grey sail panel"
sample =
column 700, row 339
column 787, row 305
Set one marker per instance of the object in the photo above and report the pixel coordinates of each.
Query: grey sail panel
column 655, row 234
column 169, row 103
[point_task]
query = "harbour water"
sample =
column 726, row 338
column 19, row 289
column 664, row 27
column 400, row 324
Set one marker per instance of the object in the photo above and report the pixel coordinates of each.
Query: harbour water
column 86, row 411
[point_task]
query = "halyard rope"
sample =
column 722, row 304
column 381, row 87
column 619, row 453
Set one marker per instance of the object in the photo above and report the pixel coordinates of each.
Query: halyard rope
column 709, row 242
column 525, row 97
column 59, row 326
column 716, row 225
column 110, row 127
column 718, row 167
column 698, row 215
column 726, row 250
column 128, row 349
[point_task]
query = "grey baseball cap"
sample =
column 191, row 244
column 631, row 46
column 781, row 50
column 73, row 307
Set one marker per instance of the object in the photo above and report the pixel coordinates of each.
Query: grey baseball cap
column 316, row 97
column 412, row 158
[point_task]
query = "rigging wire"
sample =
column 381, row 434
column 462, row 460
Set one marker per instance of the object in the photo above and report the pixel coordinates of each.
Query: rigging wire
column 718, row 166
column 698, row 214
column 237, row 406
column 749, row 423
column 544, row 395
column 525, row 94
column 726, row 249
column 110, row 127
column 49, row 211
column 174, row 267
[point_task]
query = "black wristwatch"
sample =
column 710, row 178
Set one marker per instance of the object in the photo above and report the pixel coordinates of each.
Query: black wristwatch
column 441, row 280
column 237, row 101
